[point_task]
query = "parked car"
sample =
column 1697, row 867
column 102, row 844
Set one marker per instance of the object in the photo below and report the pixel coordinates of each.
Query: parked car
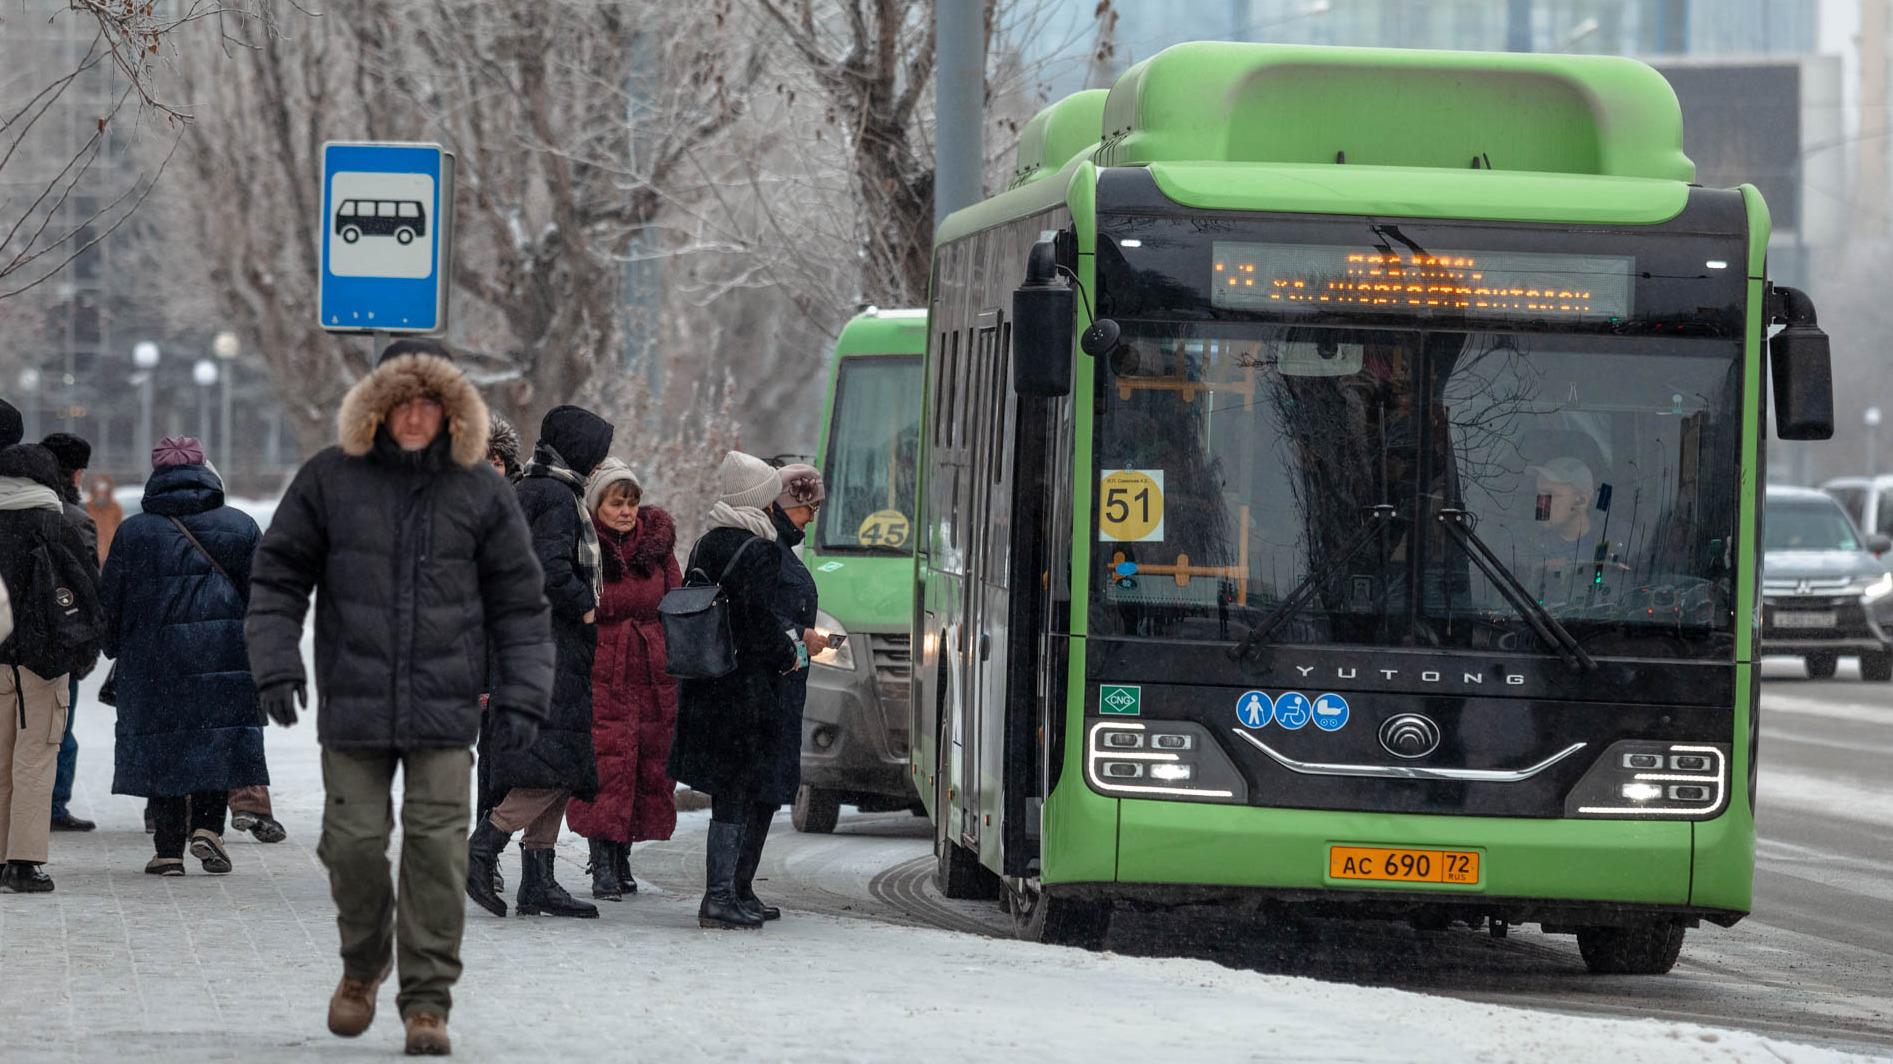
column 1868, row 500
column 1826, row 593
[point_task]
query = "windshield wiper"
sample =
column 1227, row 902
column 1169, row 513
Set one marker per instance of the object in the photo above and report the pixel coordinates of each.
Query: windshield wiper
column 1459, row 528
column 1378, row 518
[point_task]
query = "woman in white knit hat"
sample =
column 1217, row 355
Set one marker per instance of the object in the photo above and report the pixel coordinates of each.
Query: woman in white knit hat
column 728, row 729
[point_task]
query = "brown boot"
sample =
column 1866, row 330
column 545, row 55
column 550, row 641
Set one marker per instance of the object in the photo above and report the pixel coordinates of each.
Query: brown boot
column 427, row 1035
column 352, row 1007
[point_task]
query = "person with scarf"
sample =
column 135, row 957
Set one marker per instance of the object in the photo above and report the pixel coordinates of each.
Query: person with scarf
column 794, row 602
column 42, row 559
column 729, row 729
column 176, row 592
column 634, row 697
column 538, row 781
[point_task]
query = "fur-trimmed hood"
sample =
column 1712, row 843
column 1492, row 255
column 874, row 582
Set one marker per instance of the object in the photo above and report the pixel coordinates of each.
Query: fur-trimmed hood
column 404, row 377
column 643, row 551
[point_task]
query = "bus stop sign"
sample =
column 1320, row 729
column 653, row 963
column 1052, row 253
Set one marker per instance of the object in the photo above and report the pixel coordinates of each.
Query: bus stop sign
column 386, row 237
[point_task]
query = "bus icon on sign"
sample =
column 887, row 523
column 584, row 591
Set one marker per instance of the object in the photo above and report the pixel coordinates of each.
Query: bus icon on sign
column 401, row 219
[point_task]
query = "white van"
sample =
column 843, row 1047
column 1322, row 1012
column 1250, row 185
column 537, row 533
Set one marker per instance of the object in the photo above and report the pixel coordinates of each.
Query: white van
column 1868, row 500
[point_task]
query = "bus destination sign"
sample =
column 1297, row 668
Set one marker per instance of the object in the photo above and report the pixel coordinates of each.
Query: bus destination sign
column 1503, row 284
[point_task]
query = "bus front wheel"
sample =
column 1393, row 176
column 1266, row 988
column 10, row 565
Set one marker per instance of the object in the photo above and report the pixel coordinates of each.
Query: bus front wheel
column 350, row 234
column 1642, row 949
column 404, row 236
column 1057, row 920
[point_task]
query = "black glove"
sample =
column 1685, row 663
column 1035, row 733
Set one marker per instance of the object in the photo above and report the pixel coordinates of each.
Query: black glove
column 281, row 700
column 512, row 730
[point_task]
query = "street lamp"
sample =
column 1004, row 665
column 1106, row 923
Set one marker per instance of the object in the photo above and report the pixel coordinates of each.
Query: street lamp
column 204, row 374
column 144, row 355
column 226, row 347
column 1872, row 418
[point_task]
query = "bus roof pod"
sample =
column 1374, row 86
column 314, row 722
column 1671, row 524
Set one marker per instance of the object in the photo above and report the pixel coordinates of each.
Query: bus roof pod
column 1057, row 134
column 1267, row 103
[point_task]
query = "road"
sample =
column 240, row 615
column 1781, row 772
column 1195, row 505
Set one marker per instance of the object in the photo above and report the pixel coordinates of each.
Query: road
column 1813, row 964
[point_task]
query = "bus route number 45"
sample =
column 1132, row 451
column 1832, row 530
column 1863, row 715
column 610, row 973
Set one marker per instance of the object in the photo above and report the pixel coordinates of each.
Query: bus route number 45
column 1130, row 506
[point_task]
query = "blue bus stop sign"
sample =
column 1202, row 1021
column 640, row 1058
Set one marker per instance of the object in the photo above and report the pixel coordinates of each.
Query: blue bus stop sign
column 387, row 237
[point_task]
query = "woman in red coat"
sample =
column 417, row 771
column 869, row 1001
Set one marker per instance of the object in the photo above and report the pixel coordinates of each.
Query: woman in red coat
column 634, row 698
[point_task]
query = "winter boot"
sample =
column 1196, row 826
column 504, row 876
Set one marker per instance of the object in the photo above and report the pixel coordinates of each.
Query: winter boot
column 622, row 865
column 427, row 1035
column 720, row 909
column 540, row 893
column 484, row 847
column 24, row 877
column 604, row 875
column 755, row 834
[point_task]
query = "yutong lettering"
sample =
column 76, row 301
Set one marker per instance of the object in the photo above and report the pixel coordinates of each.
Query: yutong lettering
column 1468, row 679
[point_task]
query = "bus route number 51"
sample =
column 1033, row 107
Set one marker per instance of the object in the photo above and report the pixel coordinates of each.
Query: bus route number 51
column 1130, row 506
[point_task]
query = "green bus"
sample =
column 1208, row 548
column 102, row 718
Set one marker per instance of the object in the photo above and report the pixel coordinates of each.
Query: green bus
column 1340, row 490
column 860, row 550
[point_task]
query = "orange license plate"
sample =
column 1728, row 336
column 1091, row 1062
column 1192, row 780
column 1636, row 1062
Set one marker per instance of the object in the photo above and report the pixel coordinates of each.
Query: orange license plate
column 1391, row 865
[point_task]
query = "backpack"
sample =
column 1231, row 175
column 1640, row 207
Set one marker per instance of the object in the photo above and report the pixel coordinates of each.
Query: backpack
column 696, row 620
column 57, row 619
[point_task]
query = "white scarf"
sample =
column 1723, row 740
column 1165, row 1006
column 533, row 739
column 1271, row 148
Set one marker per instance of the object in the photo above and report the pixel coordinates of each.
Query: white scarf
column 747, row 518
column 19, row 493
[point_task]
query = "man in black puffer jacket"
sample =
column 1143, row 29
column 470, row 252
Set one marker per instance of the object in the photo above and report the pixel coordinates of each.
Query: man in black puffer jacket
column 538, row 782
column 422, row 562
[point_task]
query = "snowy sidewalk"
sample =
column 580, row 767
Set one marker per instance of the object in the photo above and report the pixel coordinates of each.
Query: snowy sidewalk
column 120, row 966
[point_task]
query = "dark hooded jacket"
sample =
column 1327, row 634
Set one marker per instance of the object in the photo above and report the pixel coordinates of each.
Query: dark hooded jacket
column 188, row 719
column 422, row 566
column 574, row 441
column 23, row 533
column 794, row 604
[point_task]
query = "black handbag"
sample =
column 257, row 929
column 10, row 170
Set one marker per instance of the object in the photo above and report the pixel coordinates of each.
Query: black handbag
column 108, row 691
column 696, row 619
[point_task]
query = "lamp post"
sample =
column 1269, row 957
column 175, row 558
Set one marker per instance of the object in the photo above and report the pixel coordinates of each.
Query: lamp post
column 204, row 374
column 144, row 355
column 226, row 347
column 1872, row 418
column 30, row 381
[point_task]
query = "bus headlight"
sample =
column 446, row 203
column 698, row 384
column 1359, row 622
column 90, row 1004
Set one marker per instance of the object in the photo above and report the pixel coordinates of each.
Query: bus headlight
column 1643, row 780
column 841, row 657
column 1173, row 760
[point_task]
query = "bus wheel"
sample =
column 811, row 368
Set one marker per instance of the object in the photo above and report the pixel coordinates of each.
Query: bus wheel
column 815, row 811
column 350, row 234
column 959, row 875
column 404, row 236
column 1877, row 667
column 1056, row 920
column 1821, row 666
column 1643, row 949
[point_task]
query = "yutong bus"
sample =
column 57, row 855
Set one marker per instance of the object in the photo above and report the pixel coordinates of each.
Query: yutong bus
column 1387, row 543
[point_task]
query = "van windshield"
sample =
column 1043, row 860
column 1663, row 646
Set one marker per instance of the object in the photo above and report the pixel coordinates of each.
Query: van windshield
column 1804, row 527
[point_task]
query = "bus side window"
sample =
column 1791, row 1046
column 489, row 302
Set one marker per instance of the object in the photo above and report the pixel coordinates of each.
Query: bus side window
column 347, row 210
column 385, row 210
column 410, row 210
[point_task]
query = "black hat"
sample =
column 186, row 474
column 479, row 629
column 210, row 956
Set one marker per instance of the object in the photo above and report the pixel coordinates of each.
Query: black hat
column 72, row 452
column 12, row 428
column 32, row 462
column 415, row 345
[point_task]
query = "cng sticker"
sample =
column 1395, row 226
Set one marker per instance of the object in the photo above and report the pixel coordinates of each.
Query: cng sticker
column 883, row 528
column 1130, row 506
column 1121, row 700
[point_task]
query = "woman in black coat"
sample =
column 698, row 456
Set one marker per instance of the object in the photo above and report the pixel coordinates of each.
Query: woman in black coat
column 175, row 591
column 729, row 728
column 538, row 781
column 794, row 602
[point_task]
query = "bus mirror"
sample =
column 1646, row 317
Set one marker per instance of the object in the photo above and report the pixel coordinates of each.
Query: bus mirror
column 1802, row 371
column 1043, row 312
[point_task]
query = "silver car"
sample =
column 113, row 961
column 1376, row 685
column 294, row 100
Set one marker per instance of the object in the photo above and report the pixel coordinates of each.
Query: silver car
column 1826, row 592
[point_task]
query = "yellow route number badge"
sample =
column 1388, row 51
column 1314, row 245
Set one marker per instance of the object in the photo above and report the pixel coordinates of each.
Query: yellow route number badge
column 1130, row 506
column 883, row 528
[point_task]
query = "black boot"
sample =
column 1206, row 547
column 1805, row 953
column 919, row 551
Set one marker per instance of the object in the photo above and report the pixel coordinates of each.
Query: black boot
column 623, row 867
column 755, row 834
column 604, row 874
column 540, row 893
column 484, row 847
column 720, row 909
column 24, row 877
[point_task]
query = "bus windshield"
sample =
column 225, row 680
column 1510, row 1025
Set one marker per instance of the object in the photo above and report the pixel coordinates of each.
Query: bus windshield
column 1240, row 463
column 873, row 451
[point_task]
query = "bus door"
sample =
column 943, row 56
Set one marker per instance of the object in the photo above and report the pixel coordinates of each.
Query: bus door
column 985, row 586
